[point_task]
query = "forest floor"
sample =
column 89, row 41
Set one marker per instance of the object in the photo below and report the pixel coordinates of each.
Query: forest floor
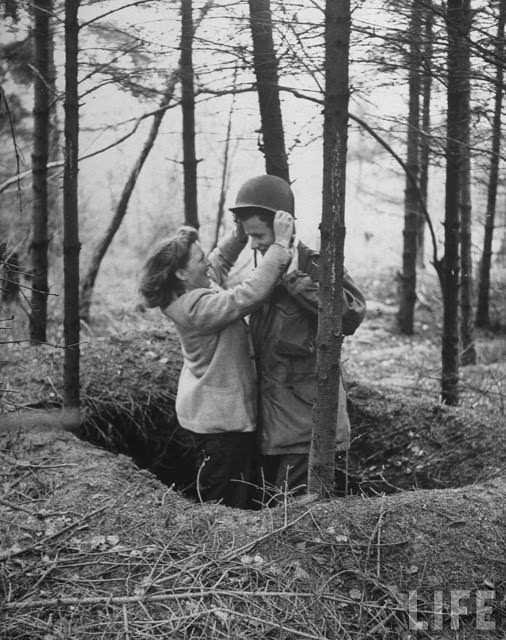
column 94, row 546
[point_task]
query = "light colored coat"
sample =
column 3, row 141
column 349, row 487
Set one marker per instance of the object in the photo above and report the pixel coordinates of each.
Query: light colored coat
column 217, row 387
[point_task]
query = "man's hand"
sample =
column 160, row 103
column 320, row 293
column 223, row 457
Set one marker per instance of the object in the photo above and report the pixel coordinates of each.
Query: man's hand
column 283, row 228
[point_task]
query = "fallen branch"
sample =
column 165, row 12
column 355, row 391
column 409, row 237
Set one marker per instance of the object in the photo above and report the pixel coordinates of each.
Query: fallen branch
column 162, row 597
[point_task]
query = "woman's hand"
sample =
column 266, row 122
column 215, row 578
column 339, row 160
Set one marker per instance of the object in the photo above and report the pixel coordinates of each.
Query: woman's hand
column 283, row 228
column 239, row 233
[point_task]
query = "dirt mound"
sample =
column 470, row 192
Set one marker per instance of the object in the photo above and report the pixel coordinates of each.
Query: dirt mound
column 93, row 547
column 404, row 443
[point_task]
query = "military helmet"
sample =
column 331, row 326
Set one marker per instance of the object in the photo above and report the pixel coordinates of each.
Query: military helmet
column 266, row 192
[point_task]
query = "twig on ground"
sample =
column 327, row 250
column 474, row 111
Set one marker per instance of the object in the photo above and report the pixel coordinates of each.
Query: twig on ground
column 161, row 597
column 234, row 553
column 378, row 541
column 277, row 624
column 7, row 555
column 125, row 622
column 46, row 573
column 16, row 507
column 29, row 465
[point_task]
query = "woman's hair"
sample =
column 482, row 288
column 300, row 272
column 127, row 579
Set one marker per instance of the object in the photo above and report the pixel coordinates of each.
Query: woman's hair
column 159, row 283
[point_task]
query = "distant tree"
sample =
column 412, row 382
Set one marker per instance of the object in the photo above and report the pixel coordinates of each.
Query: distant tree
column 71, row 245
column 225, row 167
column 188, row 108
column 407, row 298
column 54, row 195
column 329, row 338
column 458, row 24
column 425, row 145
column 10, row 271
column 104, row 243
column 100, row 249
column 483, row 310
column 266, row 72
column 39, row 245
column 468, row 348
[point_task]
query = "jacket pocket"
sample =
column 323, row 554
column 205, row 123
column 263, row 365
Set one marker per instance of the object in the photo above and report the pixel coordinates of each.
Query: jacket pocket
column 296, row 339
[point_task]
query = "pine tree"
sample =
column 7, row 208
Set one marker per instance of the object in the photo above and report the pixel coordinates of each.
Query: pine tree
column 71, row 244
column 329, row 338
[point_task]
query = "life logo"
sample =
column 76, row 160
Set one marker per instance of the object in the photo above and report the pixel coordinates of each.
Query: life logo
column 454, row 608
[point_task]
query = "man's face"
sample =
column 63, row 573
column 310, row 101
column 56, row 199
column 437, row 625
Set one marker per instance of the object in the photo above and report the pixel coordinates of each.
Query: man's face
column 196, row 275
column 259, row 232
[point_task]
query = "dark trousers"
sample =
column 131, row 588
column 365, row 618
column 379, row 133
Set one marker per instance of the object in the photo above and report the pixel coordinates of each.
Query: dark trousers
column 280, row 475
column 224, row 466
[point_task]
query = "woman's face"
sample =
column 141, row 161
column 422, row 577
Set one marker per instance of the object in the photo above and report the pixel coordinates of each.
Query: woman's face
column 196, row 273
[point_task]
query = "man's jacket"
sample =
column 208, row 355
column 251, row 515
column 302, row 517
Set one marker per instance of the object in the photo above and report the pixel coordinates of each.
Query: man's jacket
column 284, row 338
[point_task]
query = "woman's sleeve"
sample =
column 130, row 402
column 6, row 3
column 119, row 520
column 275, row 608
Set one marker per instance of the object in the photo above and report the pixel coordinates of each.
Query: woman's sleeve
column 210, row 310
column 224, row 256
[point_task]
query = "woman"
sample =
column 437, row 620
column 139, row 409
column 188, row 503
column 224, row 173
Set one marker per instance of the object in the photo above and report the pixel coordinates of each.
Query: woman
column 216, row 399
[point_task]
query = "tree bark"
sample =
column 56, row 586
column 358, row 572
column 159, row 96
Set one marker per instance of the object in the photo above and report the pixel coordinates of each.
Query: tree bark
column 426, row 80
column 329, row 336
column 457, row 20
column 407, row 300
column 71, row 244
column 482, row 310
column 40, row 154
column 468, row 348
column 188, row 108
column 266, row 72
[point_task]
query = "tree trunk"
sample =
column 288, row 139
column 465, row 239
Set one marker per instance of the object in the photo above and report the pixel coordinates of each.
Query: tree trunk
column 426, row 80
column 188, row 108
column 40, row 154
column 71, row 244
column 54, row 195
column 10, row 271
column 407, row 300
column 468, row 349
column 330, row 337
column 482, row 310
column 266, row 71
column 457, row 20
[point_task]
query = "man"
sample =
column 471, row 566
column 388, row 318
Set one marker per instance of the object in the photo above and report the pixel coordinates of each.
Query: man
column 283, row 330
